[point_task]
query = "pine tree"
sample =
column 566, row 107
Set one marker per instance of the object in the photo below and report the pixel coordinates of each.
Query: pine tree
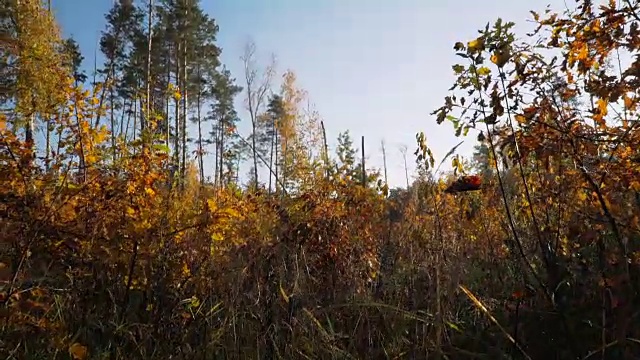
column 124, row 22
column 269, row 135
column 224, row 131
column 348, row 168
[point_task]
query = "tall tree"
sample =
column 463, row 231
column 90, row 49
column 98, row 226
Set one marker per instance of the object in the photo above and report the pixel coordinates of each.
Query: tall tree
column 31, row 43
column 348, row 166
column 72, row 58
column 124, row 22
column 224, row 131
column 190, row 37
column 270, row 125
column 204, row 81
column 300, row 136
column 257, row 84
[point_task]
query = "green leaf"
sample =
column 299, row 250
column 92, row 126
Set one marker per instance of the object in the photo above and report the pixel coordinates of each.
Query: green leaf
column 161, row 147
column 458, row 69
column 454, row 326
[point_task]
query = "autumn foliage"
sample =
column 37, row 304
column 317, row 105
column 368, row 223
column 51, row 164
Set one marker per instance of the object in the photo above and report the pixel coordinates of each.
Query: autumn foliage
column 465, row 183
column 106, row 251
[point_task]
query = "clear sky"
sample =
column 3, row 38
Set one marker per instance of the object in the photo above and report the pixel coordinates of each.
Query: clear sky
column 376, row 68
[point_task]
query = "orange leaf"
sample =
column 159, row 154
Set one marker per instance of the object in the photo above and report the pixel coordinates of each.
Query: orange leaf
column 78, row 351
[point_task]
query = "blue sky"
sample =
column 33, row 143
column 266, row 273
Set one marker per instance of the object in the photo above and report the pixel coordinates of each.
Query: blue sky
column 376, row 68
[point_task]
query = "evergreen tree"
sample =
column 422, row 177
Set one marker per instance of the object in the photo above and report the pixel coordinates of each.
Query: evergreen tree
column 74, row 60
column 124, row 22
column 224, row 131
column 348, row 168
column 269, row 135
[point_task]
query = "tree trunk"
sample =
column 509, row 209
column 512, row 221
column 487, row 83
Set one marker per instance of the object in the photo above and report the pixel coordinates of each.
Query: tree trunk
column 255, row 151
column 273, row 144
column 216, row 140
column 221, row 165
column 176, row 140
column 325, row 150
column 167, row 130
column 384, row 162
column 113, row 123
column 200, row 149
column 47, row 147
column 149, row 43
column 364, row 173
column 184, row 112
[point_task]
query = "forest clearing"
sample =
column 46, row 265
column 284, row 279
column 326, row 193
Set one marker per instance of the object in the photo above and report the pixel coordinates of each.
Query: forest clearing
column 115, row 244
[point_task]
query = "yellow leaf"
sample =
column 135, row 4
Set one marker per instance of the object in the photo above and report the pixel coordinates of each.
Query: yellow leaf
column 212, row 205
column 90, row 159
column 602, row 106
column 484, row 71
column 284, row 294
column 231, row 213
column 185, row 270
column 601, row 111
column 583, row 54
column 78, row 351
column 476, row 45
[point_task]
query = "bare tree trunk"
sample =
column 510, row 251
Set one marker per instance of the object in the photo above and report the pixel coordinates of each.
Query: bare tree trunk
column 384, row 161
column 28, row 136
column 81, row 162
column 325, row 150
column 47, row 147
column 113, row 123
column 255, row 95
column 125, row 125
column 176, row 135
column 273, row 145
column 149, row 44
column 221, row 151
column 275, row 156
column 403, row 149
column 167, row 130
column 285, row 173
column 364, row 172
column 184, row 105
column 135, row 118
column 216, row 134
column 200, row 147
column 237, row 171
column 125, row 112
